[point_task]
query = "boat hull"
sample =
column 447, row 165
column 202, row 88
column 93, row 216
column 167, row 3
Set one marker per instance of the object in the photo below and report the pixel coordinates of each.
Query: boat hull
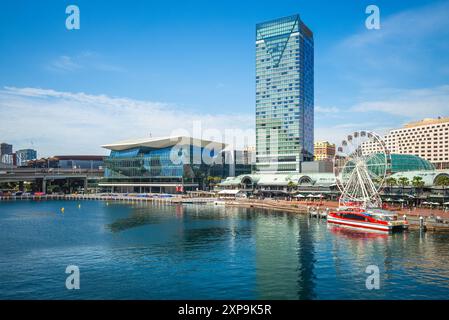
column 365, row 225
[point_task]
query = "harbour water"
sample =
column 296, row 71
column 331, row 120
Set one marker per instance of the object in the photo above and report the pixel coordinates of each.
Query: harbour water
column 162, row 251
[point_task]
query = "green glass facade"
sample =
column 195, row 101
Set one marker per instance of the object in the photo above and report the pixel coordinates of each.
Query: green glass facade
column 401, row 163
column 377, row 165
column 284, row 95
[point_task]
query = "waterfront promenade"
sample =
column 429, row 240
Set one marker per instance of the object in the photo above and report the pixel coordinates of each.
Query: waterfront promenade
column 434, row 219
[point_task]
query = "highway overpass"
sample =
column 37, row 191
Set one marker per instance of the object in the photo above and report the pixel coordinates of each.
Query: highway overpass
column 43, row 176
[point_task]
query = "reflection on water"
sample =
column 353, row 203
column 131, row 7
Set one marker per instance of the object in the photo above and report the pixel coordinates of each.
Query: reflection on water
column 306, row 262
column 144, row 251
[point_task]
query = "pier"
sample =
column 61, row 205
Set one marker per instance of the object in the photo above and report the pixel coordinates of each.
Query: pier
column 102, row 197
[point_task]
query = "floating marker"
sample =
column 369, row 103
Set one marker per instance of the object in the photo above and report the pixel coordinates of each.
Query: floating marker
column 62, row 209
column 79, row 205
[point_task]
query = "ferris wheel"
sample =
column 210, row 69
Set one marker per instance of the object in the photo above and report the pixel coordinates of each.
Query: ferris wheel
column 361, row 165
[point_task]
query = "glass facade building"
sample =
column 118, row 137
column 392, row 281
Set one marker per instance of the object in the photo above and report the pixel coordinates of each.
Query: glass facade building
column 164, row 165
column 284, row 95
column 25, row 155
column 399, row 163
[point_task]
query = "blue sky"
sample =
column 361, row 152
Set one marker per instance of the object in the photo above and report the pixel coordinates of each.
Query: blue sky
column 142, row 67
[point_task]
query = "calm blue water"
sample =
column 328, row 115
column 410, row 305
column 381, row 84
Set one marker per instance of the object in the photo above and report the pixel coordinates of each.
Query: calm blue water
column 146, row 251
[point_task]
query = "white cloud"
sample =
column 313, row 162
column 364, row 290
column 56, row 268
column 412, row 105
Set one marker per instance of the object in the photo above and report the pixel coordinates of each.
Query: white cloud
column 320, row 109
column 395, row 107
column 65, row 122
column 86, row 60
column 414, row 104
column 64, row 63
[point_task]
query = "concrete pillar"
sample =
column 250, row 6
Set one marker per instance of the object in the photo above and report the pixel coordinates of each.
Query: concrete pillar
column 85, row 186
column 44, row 185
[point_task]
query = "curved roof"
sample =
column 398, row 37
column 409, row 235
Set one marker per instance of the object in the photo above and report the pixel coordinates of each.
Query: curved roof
column 274, row 180
column 158, row 143
column 318, row 179
column 409, row 162
column 400, row 163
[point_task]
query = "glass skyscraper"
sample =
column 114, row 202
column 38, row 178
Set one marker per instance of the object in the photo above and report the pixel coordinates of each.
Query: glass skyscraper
column 284, row 95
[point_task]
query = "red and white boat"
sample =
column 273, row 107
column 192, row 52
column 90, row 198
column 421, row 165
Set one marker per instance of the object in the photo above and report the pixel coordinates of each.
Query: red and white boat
column 372, row 219
column 360, row 174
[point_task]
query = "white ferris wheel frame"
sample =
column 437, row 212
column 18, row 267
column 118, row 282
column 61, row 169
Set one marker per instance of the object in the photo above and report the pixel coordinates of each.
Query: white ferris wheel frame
column 358, row 185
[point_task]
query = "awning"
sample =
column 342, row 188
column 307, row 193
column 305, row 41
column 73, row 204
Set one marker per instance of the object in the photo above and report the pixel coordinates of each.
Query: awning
column 226, row 191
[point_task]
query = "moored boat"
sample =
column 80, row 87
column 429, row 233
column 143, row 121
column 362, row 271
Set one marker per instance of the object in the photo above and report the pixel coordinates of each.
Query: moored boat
column 371, row 219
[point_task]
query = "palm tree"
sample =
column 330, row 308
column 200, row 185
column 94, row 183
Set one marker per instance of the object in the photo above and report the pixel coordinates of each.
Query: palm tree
column 212, row 181
column 403, row 182
column 377, row 181
column 291, row 185
column 390, row 182
column 442, row 181
column 418, row 183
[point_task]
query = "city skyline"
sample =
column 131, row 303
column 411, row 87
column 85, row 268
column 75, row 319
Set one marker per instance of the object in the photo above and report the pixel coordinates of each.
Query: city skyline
column 83, row 85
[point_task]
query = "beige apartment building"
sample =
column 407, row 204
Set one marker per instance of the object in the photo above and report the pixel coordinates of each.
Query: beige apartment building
column 324, row 150
column 427, row 138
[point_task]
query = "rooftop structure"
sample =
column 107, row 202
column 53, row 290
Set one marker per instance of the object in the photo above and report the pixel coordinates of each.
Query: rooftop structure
column 68, row 162
column 427, row 121
column 162, row 142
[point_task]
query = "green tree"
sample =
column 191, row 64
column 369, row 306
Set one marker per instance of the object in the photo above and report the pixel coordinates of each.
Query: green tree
column 442, row 181
column 212, row 181
column 377, row 181
column 291, row 185
column 418, row 184
column 403, row 182
column 391, row 182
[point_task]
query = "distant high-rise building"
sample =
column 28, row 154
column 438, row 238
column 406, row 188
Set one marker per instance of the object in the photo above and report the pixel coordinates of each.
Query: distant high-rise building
column 5, row 149
column 324, row 150
column 284, row 94
column 427, row 138
column 9, row 159
column 25, row 155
